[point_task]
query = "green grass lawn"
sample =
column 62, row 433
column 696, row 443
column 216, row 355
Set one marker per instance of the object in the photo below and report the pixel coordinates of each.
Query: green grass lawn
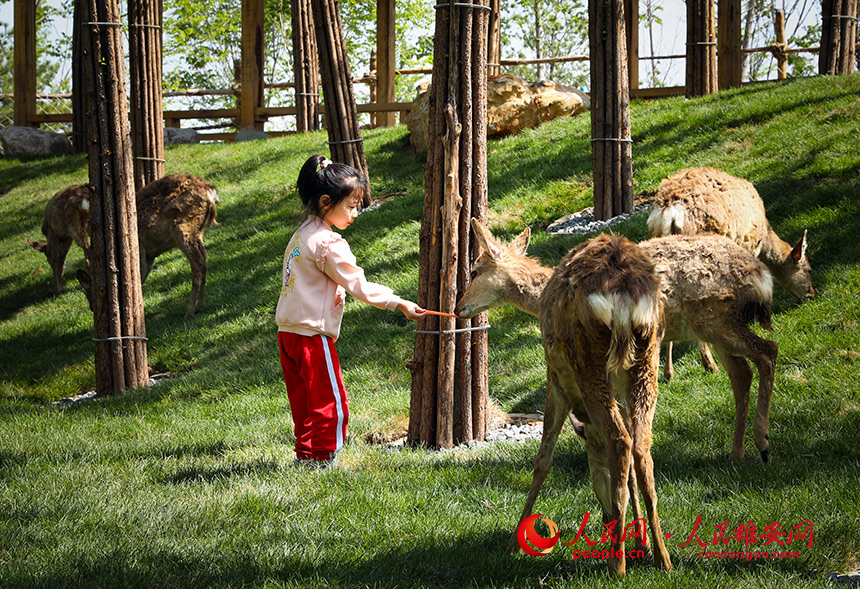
column 190, row 484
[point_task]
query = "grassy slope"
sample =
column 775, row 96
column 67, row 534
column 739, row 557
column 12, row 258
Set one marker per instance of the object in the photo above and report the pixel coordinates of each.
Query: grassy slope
column 189, row 484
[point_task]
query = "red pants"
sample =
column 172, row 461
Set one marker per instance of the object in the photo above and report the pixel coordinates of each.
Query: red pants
column 317, row 394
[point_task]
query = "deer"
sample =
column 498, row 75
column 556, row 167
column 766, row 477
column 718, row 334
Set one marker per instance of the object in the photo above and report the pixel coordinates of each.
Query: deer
column 711, row 291
column 172, row 212
column 708, row 200
column 600, row 317
column 65, row 221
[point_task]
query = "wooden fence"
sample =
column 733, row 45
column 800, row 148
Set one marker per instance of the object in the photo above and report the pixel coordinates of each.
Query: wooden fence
column 174, row 118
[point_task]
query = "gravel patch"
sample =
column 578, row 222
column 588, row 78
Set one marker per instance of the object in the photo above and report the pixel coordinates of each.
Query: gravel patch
column 584, row 221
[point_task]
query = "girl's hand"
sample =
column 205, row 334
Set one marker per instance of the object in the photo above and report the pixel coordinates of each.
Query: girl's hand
column 411, row 310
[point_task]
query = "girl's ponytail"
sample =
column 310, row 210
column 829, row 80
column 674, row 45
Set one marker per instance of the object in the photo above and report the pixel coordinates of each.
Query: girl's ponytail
column 319, row 177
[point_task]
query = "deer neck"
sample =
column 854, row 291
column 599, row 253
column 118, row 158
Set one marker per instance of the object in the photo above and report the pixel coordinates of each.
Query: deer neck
column 774, row 250
column 528, row 280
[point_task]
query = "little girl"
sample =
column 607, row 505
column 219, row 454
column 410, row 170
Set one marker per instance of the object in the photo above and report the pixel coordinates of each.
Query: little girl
column 319, row 269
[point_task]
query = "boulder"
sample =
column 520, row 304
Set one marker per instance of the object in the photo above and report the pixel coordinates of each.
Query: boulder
column 18, row 141
column 177, row 135
column 512, row 105
column 251, row 135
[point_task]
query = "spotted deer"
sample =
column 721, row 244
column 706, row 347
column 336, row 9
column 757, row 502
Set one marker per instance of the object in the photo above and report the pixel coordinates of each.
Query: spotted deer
column 711, row 290
column 599, row 316
column 172, row 212
column 707, row 200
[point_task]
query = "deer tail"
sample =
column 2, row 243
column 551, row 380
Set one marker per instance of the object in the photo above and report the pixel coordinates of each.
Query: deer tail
column 626, row 315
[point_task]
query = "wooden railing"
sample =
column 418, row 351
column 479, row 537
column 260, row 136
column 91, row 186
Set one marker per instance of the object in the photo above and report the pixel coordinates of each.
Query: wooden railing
column 174, row 118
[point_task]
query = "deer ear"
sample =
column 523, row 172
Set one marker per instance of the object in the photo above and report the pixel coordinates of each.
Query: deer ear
column 38, row 245
column 487, row 242
column 521, row 243
column 799, row 249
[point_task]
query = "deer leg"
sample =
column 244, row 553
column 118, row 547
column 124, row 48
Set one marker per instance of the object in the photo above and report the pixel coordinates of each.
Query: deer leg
column 765, row 363
column 555, row 413
column 668, row 368
column 57, row 252
column 740, row 375
column 621, row 385
column 707, row 360
column 196, row 255
column 643, row 400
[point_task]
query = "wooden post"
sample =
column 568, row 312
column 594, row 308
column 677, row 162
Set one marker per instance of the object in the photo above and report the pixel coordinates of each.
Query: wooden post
column 781, row 45
column 24, row 84
column 344, row 133
column 701, row 78
column 117, row 300
column 838, row 37
column 729, row 64
column 79, row 104
column 449, row 371
column 374, row 95
column 631, row 16
column 494, row 42
column 251, row 89
column 147, row 118
column 305, row 67
column 611, row 140
column 385, row 60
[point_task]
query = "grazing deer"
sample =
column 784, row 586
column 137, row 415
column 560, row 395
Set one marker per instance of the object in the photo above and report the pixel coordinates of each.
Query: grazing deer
column 711, row 291
column 599, row 317
column 65, row 221
column 172, row 212
column 707, row 200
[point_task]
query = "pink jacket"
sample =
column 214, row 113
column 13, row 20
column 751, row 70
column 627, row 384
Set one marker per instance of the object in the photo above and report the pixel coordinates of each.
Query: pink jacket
column 318, row 268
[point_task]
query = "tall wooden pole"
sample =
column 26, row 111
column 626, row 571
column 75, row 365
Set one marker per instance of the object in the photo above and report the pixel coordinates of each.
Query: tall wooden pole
column 385, row 60
column 729, row 62
column 494, row 41
column 79, row 103
column 24, row 83
column 838, row 37
column 611, row 140
column 631, row 17
column 449, row 370
column 305, row 67
column 117, row 300
column 701, row 78
column 147, row 118
column 341, row 113
column 251, row 88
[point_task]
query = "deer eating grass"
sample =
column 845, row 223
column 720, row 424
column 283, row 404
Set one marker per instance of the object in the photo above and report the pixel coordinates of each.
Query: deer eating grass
column 706, row 200
column 65, row 221
column 600, row 317
column 172, row 212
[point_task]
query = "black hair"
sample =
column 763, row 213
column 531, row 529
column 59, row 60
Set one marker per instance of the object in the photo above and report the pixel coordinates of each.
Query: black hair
column 337, row 181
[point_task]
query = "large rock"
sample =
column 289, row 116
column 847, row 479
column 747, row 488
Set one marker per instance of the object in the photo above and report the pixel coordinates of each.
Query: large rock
column 177, row 135
column 512, row 105
column 17, row 141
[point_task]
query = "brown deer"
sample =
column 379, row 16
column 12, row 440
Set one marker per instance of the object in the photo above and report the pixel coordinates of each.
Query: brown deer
column 711, row 291
column 172, row 212
column 599, row 317
column 65, row 221
column 707, row 200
